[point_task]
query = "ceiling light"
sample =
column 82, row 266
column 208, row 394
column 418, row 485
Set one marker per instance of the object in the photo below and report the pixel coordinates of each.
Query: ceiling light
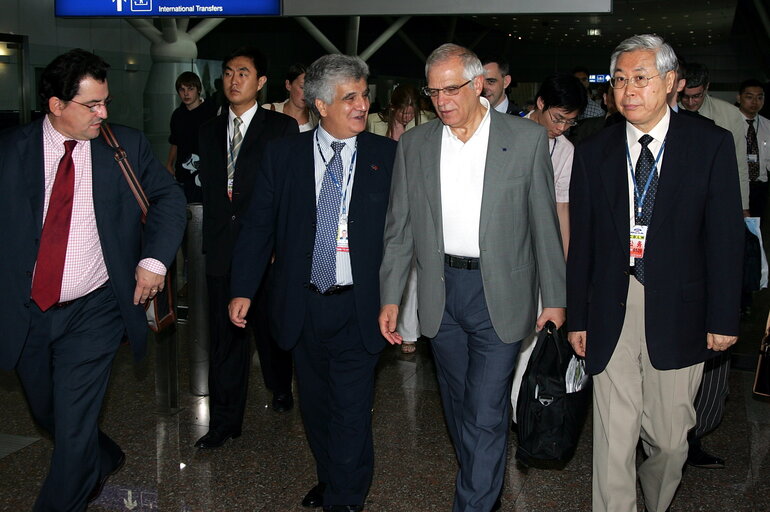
column 596, row 32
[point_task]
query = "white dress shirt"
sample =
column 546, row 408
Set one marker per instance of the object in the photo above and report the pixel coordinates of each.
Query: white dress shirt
column 246, row 118
column 462, row 185
column 562, row 152
column 502, row 107
column 322, row 140
column 762, row 127
column 633, row 134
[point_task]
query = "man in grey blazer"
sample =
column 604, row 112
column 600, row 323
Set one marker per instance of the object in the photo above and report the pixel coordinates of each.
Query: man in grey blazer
column 472, row 199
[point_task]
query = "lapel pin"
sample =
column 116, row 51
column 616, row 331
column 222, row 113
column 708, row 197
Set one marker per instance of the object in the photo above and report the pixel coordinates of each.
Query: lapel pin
column 374, row 167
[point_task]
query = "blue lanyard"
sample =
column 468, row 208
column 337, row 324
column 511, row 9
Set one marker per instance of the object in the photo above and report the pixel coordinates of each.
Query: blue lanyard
column 640, row 198
column 343, row 192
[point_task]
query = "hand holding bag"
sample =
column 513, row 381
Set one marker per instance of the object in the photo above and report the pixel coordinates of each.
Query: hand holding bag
column 160, row 309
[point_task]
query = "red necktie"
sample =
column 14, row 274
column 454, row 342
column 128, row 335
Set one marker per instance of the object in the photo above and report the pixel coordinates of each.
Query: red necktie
column 46, row 285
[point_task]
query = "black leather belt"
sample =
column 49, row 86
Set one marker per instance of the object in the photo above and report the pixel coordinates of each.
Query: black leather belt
column 462, row 262
column 333, row 290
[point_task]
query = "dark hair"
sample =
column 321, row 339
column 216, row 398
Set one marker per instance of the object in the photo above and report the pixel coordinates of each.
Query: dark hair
column 563, row 91
column 751, row 82
column 189, row 79
column 695, row 75
column 505, row 69
column 404, row 96
column 580, row 69
column 251, row 52
column 295, row 70
column 61, row 78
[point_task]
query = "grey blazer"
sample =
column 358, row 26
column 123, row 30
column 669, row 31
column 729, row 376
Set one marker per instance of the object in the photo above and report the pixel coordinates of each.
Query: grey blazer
column 521, row 251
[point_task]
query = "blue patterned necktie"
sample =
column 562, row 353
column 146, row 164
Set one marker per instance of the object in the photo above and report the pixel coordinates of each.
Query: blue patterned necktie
column 644, row 166
column 324, row 271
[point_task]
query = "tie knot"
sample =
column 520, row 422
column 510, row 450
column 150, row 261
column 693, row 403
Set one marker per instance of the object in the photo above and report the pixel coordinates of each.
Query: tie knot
column 69, row 145
column 337, row 147
column 750, row 121
column 644, row 140
column 237, row 122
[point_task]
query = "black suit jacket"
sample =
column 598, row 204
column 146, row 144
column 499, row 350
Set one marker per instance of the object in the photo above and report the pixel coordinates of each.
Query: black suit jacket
column 221, row 217
column 118, row 220
column 282, row 216
column 693, row 256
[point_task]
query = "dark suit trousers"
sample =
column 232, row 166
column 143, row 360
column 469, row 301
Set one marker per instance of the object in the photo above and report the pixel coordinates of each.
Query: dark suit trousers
column 711, row 398
column 475, row 370
column 229, row 360
column 335, row 378
column 275, row 362
column 64, row 369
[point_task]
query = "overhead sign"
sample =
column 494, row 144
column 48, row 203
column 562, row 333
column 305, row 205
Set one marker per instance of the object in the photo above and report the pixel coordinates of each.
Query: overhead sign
column 177, row 8
column 440, row 7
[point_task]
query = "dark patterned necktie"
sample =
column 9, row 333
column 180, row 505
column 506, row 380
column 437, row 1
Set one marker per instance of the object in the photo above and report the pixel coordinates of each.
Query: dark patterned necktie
column 49, row 269
column 644, row 166
column 752, row 148
column 324, row 270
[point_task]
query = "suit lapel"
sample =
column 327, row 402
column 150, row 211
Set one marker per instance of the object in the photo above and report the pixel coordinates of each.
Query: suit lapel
column 671, row 174
column 429, row 168
column 31, row 153
column 305, row 174
column 498, row 164
column 614, row 176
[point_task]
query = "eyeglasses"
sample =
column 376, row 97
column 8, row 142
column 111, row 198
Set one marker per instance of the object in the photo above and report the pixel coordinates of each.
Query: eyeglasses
column 688, row 97
column 451, row 90
column 94, row 107
column 619, row 82
column 561, row 120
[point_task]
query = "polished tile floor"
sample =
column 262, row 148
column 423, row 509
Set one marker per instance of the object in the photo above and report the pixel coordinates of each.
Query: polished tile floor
column 269, row 468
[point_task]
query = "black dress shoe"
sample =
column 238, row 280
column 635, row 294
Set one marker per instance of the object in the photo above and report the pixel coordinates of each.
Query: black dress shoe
column 97, row 490
column 498, row 504
column 314, row 497
column 282, row 402
column 701, row 459
column 214, row 439
column 344, row 508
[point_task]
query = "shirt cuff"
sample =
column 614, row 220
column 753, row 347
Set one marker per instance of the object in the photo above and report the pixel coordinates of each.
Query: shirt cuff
column 153, row 265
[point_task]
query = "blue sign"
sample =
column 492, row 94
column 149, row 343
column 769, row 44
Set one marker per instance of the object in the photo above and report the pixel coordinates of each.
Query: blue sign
column 598, row 79
column 176, row 8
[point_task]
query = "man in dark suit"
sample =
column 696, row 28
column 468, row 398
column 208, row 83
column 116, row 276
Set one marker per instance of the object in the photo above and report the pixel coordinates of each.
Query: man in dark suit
column 230, row 148
column 77, row 267
column 497, row 79
column 319, row 204
column 653, row 275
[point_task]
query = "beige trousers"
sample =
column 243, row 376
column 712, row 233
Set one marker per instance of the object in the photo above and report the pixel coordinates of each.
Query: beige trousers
column 632, row 399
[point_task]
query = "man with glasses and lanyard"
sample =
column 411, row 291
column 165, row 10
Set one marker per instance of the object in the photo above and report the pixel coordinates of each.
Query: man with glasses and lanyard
column 319, row 203
column 653, row 275
column 472, row 201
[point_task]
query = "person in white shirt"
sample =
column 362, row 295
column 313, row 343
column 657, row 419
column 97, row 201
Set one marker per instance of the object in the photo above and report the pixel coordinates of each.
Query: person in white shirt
column 559, row 101
column 751, row 99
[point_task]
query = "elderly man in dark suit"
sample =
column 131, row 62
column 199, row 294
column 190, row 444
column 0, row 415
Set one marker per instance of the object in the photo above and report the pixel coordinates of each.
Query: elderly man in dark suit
column 230, row 148
column 319, row 204
column 653, row 274
column 77, row 267
column 473, row 202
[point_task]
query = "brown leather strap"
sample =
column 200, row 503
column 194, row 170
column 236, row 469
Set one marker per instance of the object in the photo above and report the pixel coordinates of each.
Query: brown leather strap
column 128, row 172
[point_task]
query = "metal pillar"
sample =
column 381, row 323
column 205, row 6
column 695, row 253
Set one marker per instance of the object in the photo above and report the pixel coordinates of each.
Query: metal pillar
column 380, row 41
column 198, row 303
column 352, row 44
column 317, row 34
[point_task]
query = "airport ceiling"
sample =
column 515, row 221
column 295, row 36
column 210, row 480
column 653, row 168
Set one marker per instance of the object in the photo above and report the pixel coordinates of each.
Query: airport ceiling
column 684, row 23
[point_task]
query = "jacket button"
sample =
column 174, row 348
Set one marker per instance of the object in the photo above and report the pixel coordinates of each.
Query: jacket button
column 625, row 273
column 232, row 218
column 309, row 255
column 28, row 273
column 622, row 304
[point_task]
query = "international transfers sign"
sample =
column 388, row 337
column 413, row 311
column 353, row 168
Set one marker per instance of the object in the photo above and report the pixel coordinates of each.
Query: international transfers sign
column 179, row 8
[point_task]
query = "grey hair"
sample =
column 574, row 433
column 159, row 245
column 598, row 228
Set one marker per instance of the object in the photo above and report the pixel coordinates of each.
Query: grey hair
column 323, row 76
column 471, row 64
column 665, row 57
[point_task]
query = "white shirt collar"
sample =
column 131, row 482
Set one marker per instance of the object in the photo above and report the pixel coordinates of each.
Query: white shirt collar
column 658, row 132
column 482, row 125
column 502, row 107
